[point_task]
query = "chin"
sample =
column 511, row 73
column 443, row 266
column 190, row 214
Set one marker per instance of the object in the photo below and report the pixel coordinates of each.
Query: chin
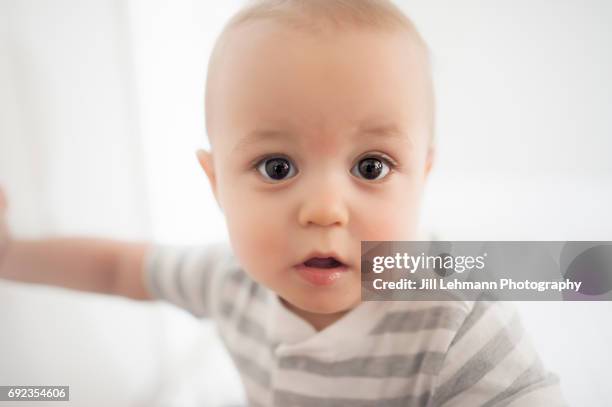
column 326, row 304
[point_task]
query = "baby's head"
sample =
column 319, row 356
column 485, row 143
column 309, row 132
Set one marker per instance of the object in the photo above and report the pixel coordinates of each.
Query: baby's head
column 320, row 119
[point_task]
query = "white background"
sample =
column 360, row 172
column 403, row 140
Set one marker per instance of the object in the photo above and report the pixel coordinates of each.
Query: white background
column 101, row 110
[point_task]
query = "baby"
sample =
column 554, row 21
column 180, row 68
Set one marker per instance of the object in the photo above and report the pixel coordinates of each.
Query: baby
column 320, row 116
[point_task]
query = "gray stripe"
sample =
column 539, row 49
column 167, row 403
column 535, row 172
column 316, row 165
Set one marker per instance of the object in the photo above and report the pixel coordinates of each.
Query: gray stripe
column 179, row 267
column 227, row 310
column 373, row 366
column 236, row 275
column 479, row 309
column 288, row 398
column 153, row 273
column 481, row 363
column 258, row 374
column 258, row 292
column 443, row 317
column 535, row 377
column 244, row 325
column 207, row 267
column 239, row 277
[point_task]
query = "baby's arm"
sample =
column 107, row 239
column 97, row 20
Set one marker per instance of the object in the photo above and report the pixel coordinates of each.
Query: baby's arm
column 96, row 265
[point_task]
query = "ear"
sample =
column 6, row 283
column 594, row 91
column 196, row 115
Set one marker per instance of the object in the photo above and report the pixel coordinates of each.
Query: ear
column 205, row 158
column 429, row 160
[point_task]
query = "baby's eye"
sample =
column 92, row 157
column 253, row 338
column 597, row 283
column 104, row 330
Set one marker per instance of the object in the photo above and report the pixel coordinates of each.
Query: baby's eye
column 276, row 168
column 371, row 168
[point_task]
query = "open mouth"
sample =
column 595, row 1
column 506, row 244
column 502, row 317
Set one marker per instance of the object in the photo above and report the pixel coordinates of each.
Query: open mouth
column 322, row 271
column 323, row 262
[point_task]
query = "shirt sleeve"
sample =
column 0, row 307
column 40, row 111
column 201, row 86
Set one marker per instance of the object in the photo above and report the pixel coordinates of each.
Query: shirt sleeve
column 492, row 362
column 186, row 276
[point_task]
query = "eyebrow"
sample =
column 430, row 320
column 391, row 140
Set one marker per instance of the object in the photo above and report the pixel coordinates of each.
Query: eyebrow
column 384, row 131
column 259, row 135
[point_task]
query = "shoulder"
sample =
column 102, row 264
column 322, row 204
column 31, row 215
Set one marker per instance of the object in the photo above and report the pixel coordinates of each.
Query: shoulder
column 455, row 318
column 235, row 288
column 490, row 358
column 433, row 316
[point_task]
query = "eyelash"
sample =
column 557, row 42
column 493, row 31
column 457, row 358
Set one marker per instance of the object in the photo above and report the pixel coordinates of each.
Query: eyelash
column 393, row 165
column 388, row 160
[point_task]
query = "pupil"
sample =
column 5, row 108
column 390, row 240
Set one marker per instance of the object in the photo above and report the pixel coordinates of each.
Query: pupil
column 370, row 168
column 277, row 168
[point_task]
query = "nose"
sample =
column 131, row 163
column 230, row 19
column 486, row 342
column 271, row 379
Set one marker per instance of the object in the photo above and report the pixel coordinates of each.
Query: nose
column 323, row 205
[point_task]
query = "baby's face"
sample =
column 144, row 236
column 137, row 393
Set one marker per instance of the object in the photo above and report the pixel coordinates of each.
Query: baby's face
column 319, row 143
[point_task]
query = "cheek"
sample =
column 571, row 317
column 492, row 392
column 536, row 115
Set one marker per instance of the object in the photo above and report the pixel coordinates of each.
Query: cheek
column 257, row 234
column 395, row 215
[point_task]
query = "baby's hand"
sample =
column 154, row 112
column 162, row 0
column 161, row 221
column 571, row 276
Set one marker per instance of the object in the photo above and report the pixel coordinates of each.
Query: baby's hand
column 5, row 236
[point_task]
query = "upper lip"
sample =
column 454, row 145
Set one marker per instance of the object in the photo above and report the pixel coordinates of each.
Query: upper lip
column 323, row 255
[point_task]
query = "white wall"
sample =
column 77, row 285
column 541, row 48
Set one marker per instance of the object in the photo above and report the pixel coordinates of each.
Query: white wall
column 102, row 110
column 525, row 125
column 74, row 160
column 71, row 165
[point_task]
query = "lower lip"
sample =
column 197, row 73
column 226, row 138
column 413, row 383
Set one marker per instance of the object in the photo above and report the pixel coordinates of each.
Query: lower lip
column 320, row 276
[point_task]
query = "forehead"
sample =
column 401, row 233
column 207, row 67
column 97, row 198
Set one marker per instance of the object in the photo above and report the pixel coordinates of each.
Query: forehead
column 274, row 77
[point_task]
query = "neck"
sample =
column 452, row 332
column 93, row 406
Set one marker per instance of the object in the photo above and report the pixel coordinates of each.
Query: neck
column 318, row 321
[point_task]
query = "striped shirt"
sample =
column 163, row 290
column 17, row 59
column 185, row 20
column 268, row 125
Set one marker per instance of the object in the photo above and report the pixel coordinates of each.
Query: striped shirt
column 395, row 353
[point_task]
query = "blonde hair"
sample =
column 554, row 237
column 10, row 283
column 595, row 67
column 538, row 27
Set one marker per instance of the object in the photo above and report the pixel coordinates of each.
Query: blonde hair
column 315, row 16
